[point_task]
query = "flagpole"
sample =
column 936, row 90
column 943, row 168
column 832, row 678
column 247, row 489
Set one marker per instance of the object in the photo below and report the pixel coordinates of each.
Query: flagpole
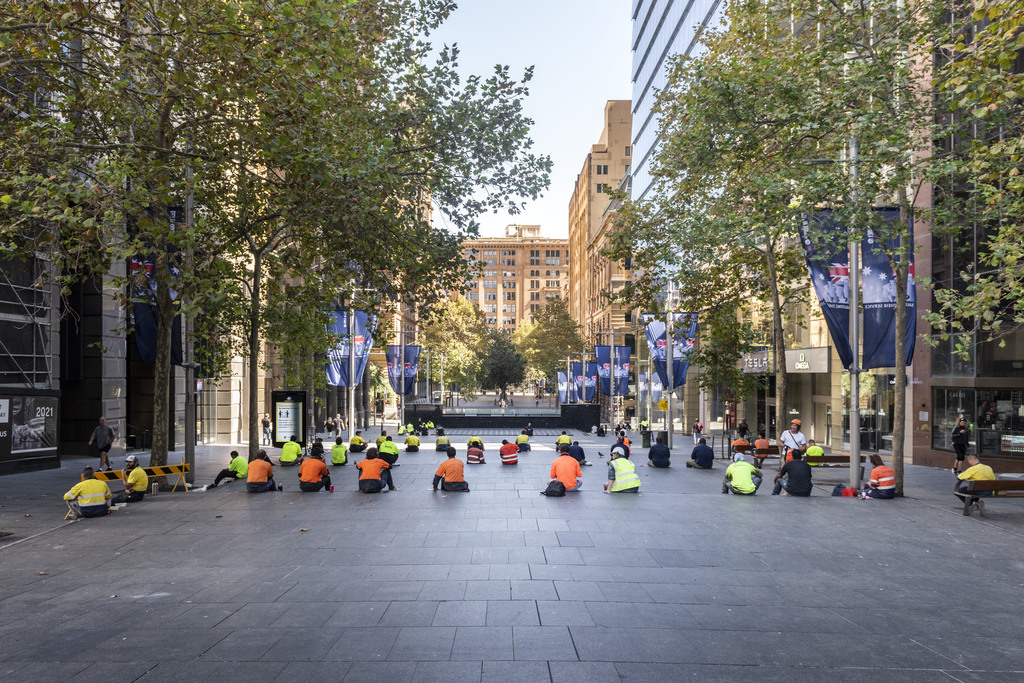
column 351, row 370
column 669, row 363
column 854, row 326
column 401, row 369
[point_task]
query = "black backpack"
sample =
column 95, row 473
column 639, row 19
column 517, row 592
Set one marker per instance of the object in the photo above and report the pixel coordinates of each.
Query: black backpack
column 555, row 488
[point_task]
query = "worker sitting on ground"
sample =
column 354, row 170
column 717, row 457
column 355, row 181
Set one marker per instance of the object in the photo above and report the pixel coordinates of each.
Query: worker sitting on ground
column 89, row 497
column 563, row 440
column 412, row 444
column 523, row 441
column 290, row 452
column 442, row 443
column 357, row 444
column 339, row 454
column 622, row 476
column 509, row 453
column 450, row 474
column 475, row 441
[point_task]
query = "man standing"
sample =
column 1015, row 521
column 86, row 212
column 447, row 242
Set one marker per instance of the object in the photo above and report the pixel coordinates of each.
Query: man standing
column 89, row 497
column 290, row 452
column 961, row 436
column 266, row 430
column 450, row 475
column 135, row 482
column 743, row 429
column 702, row 457
column 104, row 438
column 794, row 478
column 696, row 428
column 313, row 475
column 741, row 478
column 793, row 440
column 238, row 468
column 621, row 475
column 659, row 455
column 565, row 469
column 975, row 471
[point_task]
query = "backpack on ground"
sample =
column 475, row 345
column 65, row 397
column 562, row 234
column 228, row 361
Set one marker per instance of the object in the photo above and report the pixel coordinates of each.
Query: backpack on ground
column 555, row 489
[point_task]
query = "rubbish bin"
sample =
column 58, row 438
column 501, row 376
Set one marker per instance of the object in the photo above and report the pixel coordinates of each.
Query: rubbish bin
column 645, row 439
column 663, row 436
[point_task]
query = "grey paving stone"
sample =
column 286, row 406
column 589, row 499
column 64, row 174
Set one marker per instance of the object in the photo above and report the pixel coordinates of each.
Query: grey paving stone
column 241, row 645
column 533, row 590
column 447, row 672
column 350, row 614
column 461, row 613
column 302, row 644
column 515, row 672
column 483, row 643
column 404, row 613
column 375, row 672
column 543, row 643
column 313, row 672
column 360, row 644
column 512, row 613
column 583, row 672
column 489, row 590
column 423, row 643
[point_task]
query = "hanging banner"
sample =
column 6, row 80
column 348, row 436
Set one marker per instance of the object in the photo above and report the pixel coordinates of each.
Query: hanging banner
column 880, row 299
column 830, row 273
column 590, row 382
column 144, row 308
column 576, row 390
column 409, row 367
column 622, row 354
column 563, row 387
column 657, row 388
column 603, row 354
column 685, row 332
column 338, row 355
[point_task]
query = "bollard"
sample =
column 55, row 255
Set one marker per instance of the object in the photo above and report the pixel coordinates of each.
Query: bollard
column 155, row 488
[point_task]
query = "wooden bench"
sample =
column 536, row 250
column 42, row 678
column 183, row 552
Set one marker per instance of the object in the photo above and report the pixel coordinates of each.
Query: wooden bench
column 1004, row 488
column 761, row 453
column 833, row 461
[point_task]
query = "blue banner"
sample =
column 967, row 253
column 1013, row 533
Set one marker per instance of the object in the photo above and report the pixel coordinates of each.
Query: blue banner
column 590, row 382
column 603, row 355
column 829, row 269
column 338, row 354
column 685, row 331
column 409, row 367
column 622, row 354
column 577, row 382
column 880, row 299
column 144, row 310
column 563, row 387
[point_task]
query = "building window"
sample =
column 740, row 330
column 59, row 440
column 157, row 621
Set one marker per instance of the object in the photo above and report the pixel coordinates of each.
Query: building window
column 508, row 308
column 534, row 308
column 508, row 321
column 490, row 296
column 552, row 295
column 600, row 188
column 508, row 284
column 535, row 257
column 472, row 296
column 490, row 284
column 629, row 150
column 551, row 283
column 492, row 321
column 508, row 296
column 534, row 284
column 508, row 262
column 490, row 273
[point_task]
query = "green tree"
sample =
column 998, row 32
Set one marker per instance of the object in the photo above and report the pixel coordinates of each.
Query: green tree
column 547, row 339
column 982, row 84
column 503, row 366
column 453, row 332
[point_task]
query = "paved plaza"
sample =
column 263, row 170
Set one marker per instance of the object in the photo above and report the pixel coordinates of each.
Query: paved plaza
column 504, row 584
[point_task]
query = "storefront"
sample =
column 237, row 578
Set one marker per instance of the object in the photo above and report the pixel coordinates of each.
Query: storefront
column 994, row 416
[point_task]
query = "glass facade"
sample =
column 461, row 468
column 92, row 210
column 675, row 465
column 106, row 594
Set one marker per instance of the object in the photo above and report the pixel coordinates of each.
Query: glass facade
column 661, row 28
column 994, row 416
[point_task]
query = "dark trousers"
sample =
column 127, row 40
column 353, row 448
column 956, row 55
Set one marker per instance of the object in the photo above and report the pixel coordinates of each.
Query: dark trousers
column 523, row 447
column 224, row 474
column 311, row 486
column 128, row 497
column 412, row 449
column 454, row 486
column 876, row 493
column 358, row 448
column 961, row 451
column 261, row 486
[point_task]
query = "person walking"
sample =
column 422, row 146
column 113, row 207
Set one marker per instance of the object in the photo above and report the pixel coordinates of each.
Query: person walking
column 266, row 430
column 960, row 437
column 104, row 438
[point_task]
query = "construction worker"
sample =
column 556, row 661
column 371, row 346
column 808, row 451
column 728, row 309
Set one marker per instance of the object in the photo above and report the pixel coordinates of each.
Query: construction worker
column 381, row 439
column 136, row 482
column 523, row 441
column 412, row 444
column 238, row 468
column 622, row 477
column 89, row 497
column 313, row 475
column 357, row 444
column 290, row 452
column 339, row 453
column 509, row 453
column 563, row 439
column 442, row 443
column 388, row 451
column 475, row 441
column 450, row 474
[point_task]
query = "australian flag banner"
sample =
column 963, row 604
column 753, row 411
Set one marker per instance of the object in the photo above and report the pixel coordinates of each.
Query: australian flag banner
column 829, row 268
column 622, row 354
column 412, row 360
column 603, row 354
column 563, row 387
column 685, row 333
column 577, row 382
column 880, row 298
column 338, row 354
column 144, row 311
column 590, row 382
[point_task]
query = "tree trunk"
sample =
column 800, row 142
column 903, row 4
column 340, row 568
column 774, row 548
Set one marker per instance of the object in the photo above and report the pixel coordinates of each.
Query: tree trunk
column 162, row 367
column 254, row 354
column 901, row 271
column 779, row 342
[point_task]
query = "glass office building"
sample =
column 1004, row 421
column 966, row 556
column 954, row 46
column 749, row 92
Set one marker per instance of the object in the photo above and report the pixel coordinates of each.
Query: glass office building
column 661, row 29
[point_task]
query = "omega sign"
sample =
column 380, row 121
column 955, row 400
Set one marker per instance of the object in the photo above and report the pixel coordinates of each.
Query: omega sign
column 808, row 360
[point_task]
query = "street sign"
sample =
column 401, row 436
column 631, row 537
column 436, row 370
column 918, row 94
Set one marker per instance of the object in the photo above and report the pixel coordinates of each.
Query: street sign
column 662, row 405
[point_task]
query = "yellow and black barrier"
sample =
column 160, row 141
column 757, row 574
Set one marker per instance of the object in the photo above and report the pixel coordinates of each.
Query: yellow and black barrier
column 158, row 471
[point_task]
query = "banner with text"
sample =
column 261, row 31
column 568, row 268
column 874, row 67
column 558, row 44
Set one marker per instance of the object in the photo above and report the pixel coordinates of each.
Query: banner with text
column 685, row 332
column 880, row 299
column 563, row 387
column 338, row 355
column 577, row 382
column 590, row 382
column 622, row 354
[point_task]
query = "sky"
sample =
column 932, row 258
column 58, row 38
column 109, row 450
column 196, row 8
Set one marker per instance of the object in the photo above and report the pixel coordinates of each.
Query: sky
column 580, row 51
